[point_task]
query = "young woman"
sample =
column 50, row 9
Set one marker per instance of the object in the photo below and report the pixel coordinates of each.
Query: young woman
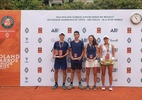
column 107, row 55
column 91, row 53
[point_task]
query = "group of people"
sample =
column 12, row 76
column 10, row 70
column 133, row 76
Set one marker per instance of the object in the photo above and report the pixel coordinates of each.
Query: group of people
column 105, row 53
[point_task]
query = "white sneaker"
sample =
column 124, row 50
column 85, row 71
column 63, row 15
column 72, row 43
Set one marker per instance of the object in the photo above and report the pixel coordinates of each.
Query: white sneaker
column 103, row 88
column 110, row 88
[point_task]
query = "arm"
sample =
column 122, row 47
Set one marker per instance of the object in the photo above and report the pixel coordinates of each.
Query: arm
column 97, row 51
column 101, row 53
column 85, row 51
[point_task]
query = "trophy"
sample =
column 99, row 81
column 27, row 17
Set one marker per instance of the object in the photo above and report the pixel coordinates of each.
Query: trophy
column 75, row 56
column 56, row 53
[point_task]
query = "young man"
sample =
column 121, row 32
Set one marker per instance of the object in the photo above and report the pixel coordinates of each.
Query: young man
column 60, row 51
column 76, row 54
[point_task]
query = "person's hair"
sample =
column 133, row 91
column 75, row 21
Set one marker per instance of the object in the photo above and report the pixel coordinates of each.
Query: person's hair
column 94, row 40
column 76, row 32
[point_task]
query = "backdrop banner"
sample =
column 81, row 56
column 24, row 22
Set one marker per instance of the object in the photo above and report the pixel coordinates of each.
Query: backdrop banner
column 39, row 30
column 10, row 48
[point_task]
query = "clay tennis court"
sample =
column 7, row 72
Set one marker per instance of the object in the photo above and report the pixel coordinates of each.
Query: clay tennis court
column 46, row 93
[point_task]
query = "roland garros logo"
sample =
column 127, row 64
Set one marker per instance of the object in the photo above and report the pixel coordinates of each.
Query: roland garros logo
column 7, row 22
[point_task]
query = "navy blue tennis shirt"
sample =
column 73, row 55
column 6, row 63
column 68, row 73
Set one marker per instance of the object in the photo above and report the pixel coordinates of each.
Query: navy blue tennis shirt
column 77, row 49
column 61, row 46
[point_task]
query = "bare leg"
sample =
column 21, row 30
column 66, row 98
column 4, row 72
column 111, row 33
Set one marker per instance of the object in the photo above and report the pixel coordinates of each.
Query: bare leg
column 87, row 75
column 95, row 75
column 110, row 69
column 103, row 68
column 64, row 76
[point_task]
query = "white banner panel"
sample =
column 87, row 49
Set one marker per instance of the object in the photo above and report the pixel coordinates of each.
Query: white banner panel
column 40, row 29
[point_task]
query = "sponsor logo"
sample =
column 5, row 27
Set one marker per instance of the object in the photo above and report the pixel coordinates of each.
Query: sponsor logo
column 141, row 79
column 52, row 70
column 113, row 40
column 39, row 30
column 39, row 69
column 27, row 30
column 55, row 30
column 26, row 40
column 39, row 49
column 98, row 80
column 99, row 30
column 83, row 69
column 26, row 70
column 129, row 40
column 129, row 30
column 7, row 22
column 84, row 39
column 26, row 50
column 84, row 30
column 39, row 40
column 114, row 30
column 115, row 70
column 83, row 79
column 98, row 70
column 128, row 69
column 116, row 60
column 141, row 39
column 69, row 30
column 7, row 60
column 98, row 40
column 129, row 50
column 128, row 60
column 39, row 59
column 68, row 69
column 68, row 79
column 26, row 60
column 26, row 79
column 39, row 80
column 141, row 59
column 128, row 80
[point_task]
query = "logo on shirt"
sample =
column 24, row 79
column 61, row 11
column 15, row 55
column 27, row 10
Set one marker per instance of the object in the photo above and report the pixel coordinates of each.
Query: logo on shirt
column 129, row 40
column 128, row 69
column 129, row 50
column 39, row 30
column 84, row 30
column 39, row 69
column 99, row 30
column 69, row 29
column 114, row 30
column 129, row 30
column 55, row 30
column 7, row 22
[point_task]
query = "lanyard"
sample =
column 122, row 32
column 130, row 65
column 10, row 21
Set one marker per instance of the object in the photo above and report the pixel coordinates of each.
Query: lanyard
column 60, row 44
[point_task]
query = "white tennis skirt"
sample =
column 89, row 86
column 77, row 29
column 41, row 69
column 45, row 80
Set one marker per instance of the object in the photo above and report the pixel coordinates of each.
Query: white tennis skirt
column 94, row 63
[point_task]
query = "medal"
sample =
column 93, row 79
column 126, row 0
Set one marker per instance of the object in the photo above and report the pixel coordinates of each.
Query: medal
column 60, row 52
column 91, row 56
column 75, row 55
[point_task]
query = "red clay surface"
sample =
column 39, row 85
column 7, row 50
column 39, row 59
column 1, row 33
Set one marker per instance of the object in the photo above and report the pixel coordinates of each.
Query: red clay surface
column 46, row 93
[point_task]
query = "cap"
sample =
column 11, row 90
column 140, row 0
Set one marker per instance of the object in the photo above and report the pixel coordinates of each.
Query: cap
column 106, row 37
column 62, row 34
